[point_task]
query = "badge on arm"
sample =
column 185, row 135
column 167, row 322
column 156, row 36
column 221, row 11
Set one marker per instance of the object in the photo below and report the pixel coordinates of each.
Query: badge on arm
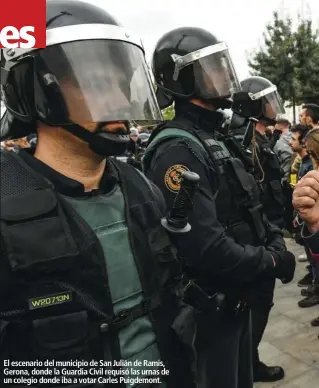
column 173, row 177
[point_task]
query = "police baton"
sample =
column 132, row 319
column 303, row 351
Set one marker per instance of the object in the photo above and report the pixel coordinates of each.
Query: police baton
column 177, row 223
column 177, row 220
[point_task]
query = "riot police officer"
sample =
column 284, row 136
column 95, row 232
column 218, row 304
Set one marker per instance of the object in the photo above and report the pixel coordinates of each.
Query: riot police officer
column 259, row 99
column 77, row 281
column 231, row 249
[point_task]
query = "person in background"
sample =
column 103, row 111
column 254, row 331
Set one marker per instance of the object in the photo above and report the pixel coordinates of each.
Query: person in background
column 294, row 169
column 309, row 115
column 302, row 162
column 134, row 134
column 312, row 292
column 131, row 147
column 32, row 140
column 282, row 148
column 16, row 144
column 297, row 144
column 284, row 154
column 141, row 143
column 306, row 202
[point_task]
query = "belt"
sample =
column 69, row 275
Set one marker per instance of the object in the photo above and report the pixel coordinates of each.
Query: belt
column 216, row 303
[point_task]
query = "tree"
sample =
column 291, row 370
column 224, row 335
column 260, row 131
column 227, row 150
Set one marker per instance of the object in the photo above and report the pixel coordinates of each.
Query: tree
column 169, row 112
column 289, row 59
column 275, row 60
column 307, row 60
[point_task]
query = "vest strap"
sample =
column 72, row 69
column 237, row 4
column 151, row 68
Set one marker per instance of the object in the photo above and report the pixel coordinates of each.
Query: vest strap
column 161, row 137
column 174, row 132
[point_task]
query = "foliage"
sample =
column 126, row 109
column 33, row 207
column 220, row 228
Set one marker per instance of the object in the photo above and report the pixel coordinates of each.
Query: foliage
column 289, row 58
column 169, row 112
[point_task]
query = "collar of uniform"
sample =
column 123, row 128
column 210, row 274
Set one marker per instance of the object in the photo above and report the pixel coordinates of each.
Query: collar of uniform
column 261, row 137
column 205, row 119
column 68, row 186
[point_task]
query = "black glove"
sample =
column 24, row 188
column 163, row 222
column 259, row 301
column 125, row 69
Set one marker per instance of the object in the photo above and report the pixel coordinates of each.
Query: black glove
column 285, row 265
column 275, row 241
column 277, row 244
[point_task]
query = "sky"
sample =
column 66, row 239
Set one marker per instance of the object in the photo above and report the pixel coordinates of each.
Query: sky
column 240, row 23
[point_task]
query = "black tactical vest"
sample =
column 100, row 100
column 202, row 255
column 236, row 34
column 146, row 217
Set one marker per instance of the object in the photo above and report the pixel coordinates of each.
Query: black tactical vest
column 272, row 196
column 55, row 301
column 237, row 195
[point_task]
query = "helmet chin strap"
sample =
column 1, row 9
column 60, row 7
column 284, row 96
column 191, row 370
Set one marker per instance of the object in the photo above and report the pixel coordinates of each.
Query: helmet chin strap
column 102, row 143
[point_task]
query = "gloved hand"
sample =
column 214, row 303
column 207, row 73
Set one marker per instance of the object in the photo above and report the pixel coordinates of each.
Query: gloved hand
column 285, row 265
column 277, row 244
column 275, row 241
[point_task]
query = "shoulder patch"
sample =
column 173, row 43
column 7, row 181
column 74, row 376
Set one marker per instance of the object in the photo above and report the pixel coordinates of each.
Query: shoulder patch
column 173, row 177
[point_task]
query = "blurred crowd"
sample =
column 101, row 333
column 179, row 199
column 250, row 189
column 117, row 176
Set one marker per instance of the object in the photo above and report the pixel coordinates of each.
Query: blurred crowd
column 16, row 144
column 297, row 148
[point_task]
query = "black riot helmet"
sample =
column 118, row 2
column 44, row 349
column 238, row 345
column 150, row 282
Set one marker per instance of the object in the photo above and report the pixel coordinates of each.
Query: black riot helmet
column 92, row 72
column 258, row 99
column 190, row 62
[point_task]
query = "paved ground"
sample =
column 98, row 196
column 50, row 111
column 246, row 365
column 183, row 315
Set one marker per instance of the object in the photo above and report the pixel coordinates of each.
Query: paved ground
column 289, row 340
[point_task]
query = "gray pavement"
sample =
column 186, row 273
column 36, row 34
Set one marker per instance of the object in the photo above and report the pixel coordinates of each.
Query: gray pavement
column 289, row 340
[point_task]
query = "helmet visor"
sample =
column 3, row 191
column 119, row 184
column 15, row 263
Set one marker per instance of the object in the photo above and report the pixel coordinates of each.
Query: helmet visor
column 215, row 76
column 94, row 81
column 272, row 106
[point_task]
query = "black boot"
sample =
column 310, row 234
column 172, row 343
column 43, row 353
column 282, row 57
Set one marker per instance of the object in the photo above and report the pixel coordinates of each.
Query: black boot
column 315, row 322
column 309, row 301
column 264, row 373
column 310, row 290
column 306, row 281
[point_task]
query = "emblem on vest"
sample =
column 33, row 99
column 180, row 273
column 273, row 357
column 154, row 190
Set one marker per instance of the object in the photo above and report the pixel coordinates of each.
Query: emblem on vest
column 173, row 177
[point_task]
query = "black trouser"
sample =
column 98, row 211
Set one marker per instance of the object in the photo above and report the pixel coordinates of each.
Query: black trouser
column 260, row 311
column 312, row 263
column 316, row 278
column 259, row 318
column 313, row 268
column 224, row 351
column 289, row 210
